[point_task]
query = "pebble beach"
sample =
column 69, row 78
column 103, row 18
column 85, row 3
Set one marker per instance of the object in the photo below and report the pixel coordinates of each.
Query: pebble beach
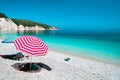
column 77, row 68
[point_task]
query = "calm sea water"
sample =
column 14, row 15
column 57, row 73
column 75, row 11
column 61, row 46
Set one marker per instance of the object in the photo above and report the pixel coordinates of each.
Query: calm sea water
column 103, row 47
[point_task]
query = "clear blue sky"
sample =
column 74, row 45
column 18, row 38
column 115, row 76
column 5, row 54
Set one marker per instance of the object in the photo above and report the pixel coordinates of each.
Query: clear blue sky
column 66, row 14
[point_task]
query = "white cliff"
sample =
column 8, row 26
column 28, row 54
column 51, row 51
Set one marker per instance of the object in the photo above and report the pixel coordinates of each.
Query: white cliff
column 34, row 28
column 21, row 27
column 7, row 24
column 53, row 28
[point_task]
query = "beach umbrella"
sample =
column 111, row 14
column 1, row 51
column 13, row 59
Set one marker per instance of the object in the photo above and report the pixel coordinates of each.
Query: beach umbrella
column 31, row 45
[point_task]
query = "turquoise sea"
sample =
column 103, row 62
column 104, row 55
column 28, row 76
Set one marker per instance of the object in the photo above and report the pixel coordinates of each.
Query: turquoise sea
column 99, row 46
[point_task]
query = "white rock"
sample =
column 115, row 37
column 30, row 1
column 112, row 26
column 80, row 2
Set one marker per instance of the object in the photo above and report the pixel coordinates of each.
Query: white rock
column 7, row 24
column 21, row 27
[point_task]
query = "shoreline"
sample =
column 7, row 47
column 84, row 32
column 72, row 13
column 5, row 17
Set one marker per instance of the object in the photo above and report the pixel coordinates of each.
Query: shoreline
column 75, row 54
column 77, row 68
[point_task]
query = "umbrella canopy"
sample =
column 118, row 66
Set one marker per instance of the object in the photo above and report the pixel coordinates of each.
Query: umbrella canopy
column 31, row 45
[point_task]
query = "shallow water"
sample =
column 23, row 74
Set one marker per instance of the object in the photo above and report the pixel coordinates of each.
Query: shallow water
column 104, row 47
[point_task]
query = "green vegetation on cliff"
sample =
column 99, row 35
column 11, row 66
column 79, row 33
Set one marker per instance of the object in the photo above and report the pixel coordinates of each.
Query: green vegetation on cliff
column 29, row 23
column 25, row 22
column 3, row 15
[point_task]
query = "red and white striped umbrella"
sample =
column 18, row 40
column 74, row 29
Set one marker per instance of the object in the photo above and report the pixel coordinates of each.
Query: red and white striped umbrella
column 31, row 45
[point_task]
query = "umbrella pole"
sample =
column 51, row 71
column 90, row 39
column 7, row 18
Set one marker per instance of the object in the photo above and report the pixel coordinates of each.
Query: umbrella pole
column 31, row 63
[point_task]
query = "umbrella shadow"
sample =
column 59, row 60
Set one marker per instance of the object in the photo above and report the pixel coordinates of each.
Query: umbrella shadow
column 17, row 56
column 44, row 66
column 31, row 67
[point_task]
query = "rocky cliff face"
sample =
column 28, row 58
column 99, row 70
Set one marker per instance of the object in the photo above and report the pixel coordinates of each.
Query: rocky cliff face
column 8, row 24
column 21, row 27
